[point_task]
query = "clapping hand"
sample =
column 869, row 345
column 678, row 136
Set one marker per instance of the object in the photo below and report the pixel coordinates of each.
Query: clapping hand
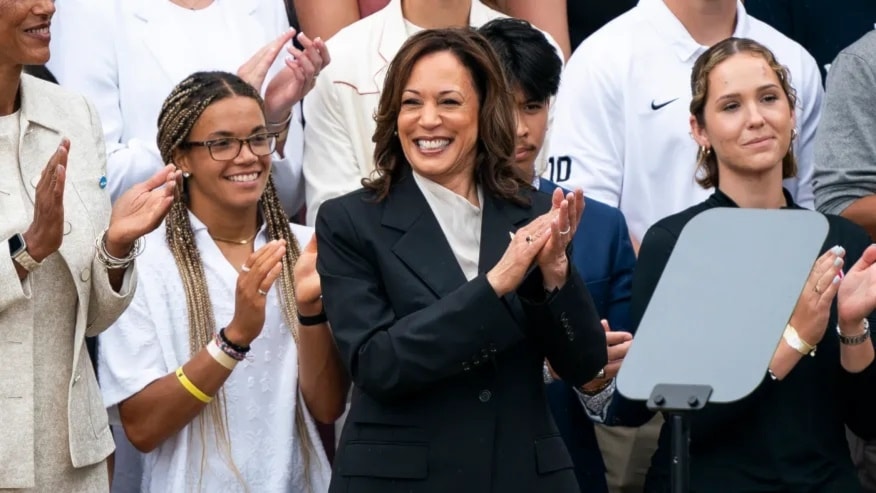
column 140, row 210
column 296, row 79
column 308, row 293
column 257, row 275
column 565, row 214
column 46, row 232
column 856, row 298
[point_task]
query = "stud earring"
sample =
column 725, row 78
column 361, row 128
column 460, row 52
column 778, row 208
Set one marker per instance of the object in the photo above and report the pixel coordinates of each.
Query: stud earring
column 186, row 174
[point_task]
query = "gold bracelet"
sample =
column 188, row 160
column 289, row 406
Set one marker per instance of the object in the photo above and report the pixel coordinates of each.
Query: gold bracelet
column 188, row 385
column 220, row 356
column 793, row 339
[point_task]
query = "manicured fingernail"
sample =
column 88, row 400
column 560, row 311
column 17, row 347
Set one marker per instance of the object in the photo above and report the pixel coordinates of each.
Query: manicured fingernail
column 838, row 250
column 836, row 279
column 837, row 262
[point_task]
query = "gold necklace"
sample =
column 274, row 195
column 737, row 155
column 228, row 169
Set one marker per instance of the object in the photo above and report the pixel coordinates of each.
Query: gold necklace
column 235, row 242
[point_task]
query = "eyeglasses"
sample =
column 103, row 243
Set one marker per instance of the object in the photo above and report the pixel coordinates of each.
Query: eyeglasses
column 228, row 148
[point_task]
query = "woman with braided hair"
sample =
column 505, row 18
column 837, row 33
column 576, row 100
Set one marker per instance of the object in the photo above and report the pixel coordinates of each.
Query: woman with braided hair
column 214, row 372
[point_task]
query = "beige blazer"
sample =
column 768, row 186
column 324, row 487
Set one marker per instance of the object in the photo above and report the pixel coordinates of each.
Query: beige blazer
column 48, row 113
column 339, row 111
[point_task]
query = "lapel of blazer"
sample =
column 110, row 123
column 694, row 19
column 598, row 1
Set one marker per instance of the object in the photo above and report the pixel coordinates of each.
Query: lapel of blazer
column 422, row 246
column 500, row 218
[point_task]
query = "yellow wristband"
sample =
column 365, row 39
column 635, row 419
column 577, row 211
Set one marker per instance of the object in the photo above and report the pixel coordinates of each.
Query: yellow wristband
column 221, row 356
column 195, row 391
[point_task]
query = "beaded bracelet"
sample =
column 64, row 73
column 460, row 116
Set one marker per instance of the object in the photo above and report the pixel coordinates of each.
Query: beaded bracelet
column 227, row 341
column 110, row 262
column 227, row 349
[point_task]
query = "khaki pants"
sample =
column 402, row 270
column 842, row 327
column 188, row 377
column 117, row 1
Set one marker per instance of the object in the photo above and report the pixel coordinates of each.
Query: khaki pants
column 627, row 454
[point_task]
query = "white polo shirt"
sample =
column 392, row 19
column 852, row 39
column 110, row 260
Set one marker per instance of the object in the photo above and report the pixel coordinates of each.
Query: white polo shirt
column 621, row 129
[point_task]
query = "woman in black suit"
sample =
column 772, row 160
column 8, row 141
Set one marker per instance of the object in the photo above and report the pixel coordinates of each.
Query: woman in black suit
column 446, row 281
column 789, row 434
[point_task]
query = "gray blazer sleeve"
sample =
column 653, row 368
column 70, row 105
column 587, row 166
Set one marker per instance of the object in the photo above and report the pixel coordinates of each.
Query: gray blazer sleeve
column 845, row 147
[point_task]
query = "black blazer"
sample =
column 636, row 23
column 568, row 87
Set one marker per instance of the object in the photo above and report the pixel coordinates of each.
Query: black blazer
column 448, row 393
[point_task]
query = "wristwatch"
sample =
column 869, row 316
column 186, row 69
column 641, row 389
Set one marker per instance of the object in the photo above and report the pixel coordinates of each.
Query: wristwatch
column 18, row 250
column 854, row 340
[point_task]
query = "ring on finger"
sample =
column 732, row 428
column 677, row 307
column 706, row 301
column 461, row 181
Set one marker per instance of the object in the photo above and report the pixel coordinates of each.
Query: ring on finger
column 567, row 230
column 244, row 268
column 601, row 373
column 263, row 292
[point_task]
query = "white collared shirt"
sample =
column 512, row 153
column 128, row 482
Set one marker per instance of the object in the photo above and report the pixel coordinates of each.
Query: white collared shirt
column 151, row 339
column 621, row 129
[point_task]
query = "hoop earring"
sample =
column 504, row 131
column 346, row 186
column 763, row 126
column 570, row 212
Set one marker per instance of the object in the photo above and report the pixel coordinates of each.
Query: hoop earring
column 793, row 134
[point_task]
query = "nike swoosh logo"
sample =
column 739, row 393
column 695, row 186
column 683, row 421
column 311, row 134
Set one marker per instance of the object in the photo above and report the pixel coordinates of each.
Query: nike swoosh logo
column 655, row 106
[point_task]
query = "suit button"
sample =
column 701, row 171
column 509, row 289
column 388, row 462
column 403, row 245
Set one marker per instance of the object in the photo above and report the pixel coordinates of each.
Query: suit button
column 466, row 366
column 85, row 275
column 485, row 396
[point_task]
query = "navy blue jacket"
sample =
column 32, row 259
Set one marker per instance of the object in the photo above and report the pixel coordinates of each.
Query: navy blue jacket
column 604, row 257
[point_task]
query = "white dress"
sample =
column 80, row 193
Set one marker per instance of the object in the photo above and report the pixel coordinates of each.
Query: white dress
column 151, row 339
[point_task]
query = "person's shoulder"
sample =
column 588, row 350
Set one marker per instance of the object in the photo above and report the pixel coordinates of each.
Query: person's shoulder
column 864, row 47
column 349, row 41
column 49, row 102
column 787, row 51
column 675, row 223
column 359, row 202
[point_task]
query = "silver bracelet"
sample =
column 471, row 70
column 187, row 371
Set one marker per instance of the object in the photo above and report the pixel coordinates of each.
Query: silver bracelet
column 283, row 123
column 854, row 340
column 110, row 262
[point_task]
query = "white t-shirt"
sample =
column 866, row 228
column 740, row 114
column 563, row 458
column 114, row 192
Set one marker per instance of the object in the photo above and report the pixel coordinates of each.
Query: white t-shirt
column 151, row 339
column 621, row 127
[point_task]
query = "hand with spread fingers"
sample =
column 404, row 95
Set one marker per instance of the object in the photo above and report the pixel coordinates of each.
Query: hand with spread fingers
column 256, row 278
column 255, row 70
column 520, row 255
column 296, row 79
column 812, row 312
column 856, row 298
column 308, row 293
column 46, row 232
column 565, row 214
column 140, row 210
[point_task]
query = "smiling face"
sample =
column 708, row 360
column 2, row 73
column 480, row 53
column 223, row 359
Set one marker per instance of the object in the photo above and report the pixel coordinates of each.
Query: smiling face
column 232, row 184
column 747, row 118
column 24, row 31
column 438, row 119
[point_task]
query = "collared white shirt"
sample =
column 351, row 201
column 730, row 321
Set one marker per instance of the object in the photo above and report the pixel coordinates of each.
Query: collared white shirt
column 151, row 339
column 621, row 128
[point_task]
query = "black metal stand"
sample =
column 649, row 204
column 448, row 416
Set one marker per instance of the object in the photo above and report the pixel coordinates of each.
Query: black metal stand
column 677, row 402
